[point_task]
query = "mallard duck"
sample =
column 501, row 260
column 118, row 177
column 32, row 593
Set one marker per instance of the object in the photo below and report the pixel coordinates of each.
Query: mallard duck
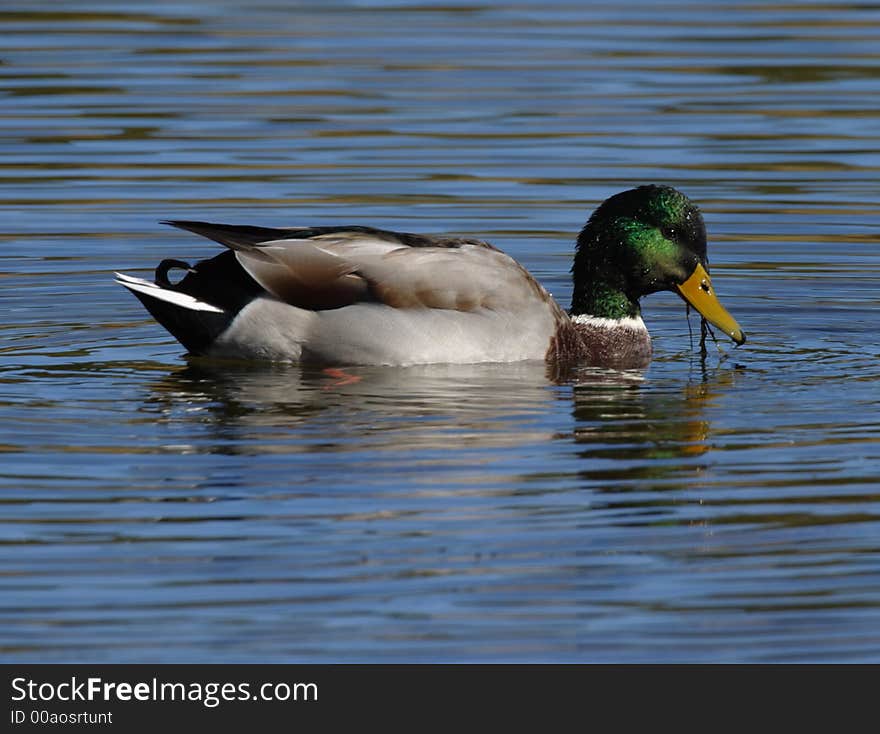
column 360, row 295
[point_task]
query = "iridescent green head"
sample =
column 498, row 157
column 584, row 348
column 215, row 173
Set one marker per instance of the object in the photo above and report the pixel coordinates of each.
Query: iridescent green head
column 641, row 241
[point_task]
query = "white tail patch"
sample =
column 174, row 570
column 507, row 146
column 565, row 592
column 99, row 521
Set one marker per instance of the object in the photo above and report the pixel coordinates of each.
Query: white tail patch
column 183, row 300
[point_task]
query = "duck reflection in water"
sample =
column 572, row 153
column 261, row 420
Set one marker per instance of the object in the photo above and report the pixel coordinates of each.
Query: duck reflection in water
column 619, row 416
column 645, row 436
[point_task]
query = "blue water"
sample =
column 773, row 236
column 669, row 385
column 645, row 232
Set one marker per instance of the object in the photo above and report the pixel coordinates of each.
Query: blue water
column 157, row 509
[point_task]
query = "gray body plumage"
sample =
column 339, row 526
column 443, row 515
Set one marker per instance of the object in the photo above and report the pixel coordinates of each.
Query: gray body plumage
column 353, row 295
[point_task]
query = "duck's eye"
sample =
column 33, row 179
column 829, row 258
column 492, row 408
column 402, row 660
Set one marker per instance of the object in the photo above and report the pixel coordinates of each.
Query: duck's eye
column 668, row 232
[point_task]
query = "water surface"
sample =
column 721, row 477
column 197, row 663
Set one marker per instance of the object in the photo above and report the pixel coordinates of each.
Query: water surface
column 164, row 510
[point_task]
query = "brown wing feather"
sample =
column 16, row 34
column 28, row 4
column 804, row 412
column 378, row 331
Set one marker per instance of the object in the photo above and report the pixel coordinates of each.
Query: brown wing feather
column 304, row 275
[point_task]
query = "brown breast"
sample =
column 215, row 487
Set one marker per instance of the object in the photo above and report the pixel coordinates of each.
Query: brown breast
column 600, row 345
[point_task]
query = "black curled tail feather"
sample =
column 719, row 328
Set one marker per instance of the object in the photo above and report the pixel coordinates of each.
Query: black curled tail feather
column 219, row 283
column 165, row 266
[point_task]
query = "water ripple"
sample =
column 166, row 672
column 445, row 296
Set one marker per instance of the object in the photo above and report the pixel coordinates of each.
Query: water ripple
column 161, row 509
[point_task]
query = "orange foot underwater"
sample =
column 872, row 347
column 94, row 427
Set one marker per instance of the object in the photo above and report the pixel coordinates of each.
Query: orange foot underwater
column 342, row 377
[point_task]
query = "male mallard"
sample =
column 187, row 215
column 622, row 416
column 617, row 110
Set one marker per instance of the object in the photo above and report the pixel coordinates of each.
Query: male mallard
column 359, row 295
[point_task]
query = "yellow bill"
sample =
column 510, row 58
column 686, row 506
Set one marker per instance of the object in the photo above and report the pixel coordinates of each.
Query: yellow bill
column 698, row 292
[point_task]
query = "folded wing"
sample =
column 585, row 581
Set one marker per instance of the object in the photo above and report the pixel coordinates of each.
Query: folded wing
column 332, row 267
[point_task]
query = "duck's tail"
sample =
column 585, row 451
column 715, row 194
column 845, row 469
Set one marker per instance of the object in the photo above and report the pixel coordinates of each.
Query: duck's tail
column 194, row 322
